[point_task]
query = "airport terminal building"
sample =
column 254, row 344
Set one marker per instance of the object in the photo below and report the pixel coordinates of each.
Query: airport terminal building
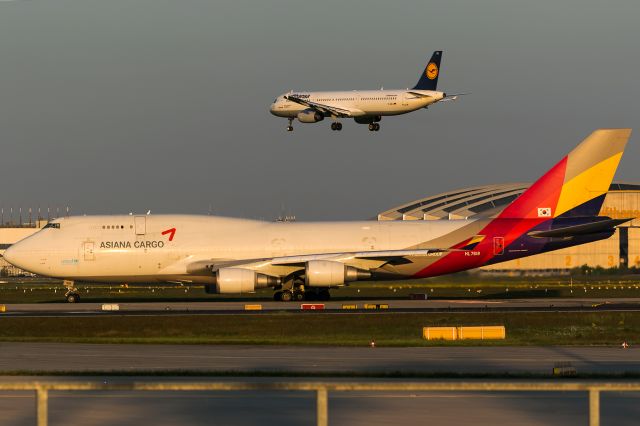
column 621, row 250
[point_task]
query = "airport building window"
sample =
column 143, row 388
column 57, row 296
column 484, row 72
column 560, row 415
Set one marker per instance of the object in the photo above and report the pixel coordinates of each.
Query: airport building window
column 52, row 225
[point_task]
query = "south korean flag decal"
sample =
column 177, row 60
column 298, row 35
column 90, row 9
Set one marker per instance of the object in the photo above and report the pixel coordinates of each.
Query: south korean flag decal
column 544, row 211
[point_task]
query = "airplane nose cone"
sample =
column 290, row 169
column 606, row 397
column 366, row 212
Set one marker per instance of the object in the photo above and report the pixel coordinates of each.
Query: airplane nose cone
column 10, row 255
column 272, row 108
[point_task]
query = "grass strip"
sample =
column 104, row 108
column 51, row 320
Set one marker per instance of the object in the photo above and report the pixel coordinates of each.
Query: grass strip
column 388, row 329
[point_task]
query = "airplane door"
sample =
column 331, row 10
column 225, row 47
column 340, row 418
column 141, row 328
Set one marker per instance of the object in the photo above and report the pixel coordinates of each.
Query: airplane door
column 141, row 225
column 89, row 253
column 498, row 245
column 405, row 99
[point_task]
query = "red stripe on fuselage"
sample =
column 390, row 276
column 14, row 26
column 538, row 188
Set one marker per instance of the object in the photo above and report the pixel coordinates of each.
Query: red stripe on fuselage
column 518, row 218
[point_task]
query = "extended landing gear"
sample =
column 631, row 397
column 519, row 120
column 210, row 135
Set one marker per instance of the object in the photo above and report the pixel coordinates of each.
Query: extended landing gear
column 290, row 126
column 283, row 296
column 72, row 292
column 298, row 293
column 374, row 127
column 336, row 125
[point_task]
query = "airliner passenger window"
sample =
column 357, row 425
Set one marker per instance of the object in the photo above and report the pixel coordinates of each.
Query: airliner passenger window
column 52, row 225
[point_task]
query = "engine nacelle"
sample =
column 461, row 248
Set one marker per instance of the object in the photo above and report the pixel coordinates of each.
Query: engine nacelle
column 367, row 119
column 310, row 116
column 326, row 273
column 240, row 280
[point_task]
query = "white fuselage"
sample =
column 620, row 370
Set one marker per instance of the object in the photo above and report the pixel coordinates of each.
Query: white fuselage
column 361, row 103
column 143, row 249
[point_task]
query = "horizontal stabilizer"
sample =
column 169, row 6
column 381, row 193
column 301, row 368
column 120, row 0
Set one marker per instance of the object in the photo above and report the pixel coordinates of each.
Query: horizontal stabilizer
column 583, row 229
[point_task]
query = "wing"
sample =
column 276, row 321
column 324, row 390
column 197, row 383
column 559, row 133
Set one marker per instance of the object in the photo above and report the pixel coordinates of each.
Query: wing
column 382, row 255
column 326, row 109
column 287, row 264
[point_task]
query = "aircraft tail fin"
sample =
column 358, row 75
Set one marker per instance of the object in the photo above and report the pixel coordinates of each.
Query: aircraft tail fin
column 429, row 78
column 577, row 185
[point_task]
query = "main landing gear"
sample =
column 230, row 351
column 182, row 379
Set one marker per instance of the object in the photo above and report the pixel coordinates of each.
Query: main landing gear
column 72, row 294
column 374, row 127
column 290, row 126
column 336, row 125
column 301, row 295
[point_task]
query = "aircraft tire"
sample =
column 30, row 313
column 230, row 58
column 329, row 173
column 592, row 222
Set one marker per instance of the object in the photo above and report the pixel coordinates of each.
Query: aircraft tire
column 338, row 126
column 298, row 296
column 333, row 126
column 286, row 296
column 277, row 296
column 289, row 128
column 376, row 127
column 73, row 298
column 372, row 127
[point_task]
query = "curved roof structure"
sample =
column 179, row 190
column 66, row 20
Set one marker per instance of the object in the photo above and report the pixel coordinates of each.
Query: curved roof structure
column 485, row 201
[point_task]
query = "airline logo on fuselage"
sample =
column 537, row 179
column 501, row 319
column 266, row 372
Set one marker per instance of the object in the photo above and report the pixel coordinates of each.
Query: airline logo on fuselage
column 300, row 95
column 129, row 244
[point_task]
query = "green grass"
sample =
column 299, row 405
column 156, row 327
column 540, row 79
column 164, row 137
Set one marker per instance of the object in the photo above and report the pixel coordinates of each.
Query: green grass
column 24, row 290
column 387, row 329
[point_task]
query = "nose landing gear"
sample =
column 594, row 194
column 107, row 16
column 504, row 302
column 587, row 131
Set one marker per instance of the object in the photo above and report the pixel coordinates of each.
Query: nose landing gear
column 290, row 126
column 72, row 294
column 336, row 125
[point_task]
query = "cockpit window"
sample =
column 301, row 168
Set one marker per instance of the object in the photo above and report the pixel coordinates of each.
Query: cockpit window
column 275, row 100
column 52, row 225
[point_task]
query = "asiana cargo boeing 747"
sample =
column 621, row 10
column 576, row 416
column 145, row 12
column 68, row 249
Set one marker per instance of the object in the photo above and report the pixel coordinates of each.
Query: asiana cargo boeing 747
column 305, row 260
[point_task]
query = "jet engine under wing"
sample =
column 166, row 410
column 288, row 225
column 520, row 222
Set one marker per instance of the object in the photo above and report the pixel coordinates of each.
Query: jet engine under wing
column 326, row 109
column 583, row 229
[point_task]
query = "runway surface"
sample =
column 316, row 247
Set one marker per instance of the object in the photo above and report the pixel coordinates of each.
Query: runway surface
column 298, row 408
column 392, row 305
column 71, row 357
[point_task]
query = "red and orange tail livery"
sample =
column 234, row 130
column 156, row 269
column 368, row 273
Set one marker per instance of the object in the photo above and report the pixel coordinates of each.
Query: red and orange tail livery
column 559, row 210
column 576, row 186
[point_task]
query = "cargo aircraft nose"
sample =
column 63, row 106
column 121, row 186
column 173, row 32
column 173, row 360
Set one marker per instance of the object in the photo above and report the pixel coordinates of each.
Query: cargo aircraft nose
column 12, row 255
column 22, row 255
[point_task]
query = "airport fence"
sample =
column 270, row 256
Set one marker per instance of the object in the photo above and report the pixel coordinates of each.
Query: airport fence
column 322, row 390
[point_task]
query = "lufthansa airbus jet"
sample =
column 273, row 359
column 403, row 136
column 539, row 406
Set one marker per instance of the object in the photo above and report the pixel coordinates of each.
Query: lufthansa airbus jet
column 304, row 260
column 364, row 106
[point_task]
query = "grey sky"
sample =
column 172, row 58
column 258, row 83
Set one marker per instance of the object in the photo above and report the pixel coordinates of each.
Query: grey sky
column 128, row 105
